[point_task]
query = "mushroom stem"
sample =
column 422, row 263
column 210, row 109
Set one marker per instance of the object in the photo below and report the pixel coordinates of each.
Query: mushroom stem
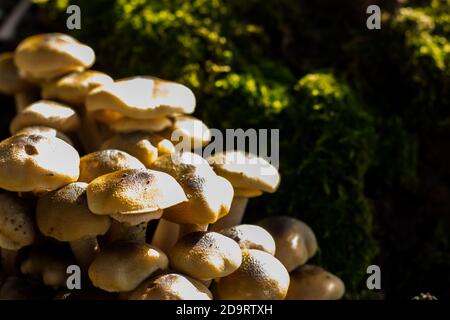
column 166, row 235
column 122, row 231
column 234, row 216
column 23, row 99
column 9, row 261
column 189, row 228
column 85, row 250
column 90, row 135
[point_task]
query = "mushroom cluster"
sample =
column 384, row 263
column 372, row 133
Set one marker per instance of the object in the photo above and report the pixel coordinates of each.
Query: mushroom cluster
column 102, row 175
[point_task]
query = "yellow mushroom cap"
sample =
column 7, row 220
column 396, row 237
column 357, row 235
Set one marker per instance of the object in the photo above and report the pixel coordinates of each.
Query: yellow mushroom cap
column 205, row 255
column 37, row 163
column 47, row 56
column 142, row 98
column 16, row 223
column 295, row 241
column 46, row 132
column 101, row 162
column 172, row 286
column 123, row 265
column 245, row 170
column 260, row 277
column 133, row 191
column 209, row 196
column 10, row 81
column 63, row 214
column 126, row 124
column 46, row 113
column 74, row 88
column 311, row 282
column 188, row 133
column 249, row 236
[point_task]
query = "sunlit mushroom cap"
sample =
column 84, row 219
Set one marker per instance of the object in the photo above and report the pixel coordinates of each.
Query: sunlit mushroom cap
column 295, row 241
column 311, row 282
column 209, row 196
column 171, row 286
column 123, row 265
column 16, row 223
column 126, row 124
column 46, row 132
column 101, row 162
column 205, row 255
column 188, row 133
column 63, row 214
column 74, row 88
column 249, row 236
column 37, row 163
column 10, row 81
column 133, row 191
column 246, row 171
column 142, row 98
column 46, row 113
column 260, row 277
column 47, row 56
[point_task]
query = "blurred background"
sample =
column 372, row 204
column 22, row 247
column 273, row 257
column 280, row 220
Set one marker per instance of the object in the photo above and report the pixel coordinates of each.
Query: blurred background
column 364, row 115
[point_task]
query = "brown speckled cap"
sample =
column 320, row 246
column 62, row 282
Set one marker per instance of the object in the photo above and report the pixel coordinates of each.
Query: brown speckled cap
column 205, row 255
column 46, row 132
column 249, row 236
column 123, row 265
column 260, row 277
column 172, row 286
column 101, row 162
column 311, row 282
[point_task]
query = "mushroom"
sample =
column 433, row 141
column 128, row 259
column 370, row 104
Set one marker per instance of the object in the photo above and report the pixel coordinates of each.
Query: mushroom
column 209, row 196
column 192, row 132
column 143, row 146
column 15, row 288
column 126, row 124
column 134, row 196
column 205, row 255
column 311, row 282
column 123, row 265
column 12, row 84
column 250, row 176
column 46, row 132
column 64, row 215
column 249, row 236
column 33, row 163
column 48, row 56
column 172, row 286
column 16, row 229
column 50, row 266
column 46, row 113
column 295, row 241
column 96, row 164
column 142, row 98
column 260, row 277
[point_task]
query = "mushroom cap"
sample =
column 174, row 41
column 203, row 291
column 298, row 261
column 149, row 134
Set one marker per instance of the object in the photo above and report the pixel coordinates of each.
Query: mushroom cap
column 126, row 124
column 172, row 286
column 247, row 193
column 205, row 255
column 46, row 113
column 249, row 236
column 245, row 170
column 295, row 241
column 10, row 81
column 46, row 132
column 16, row 223
column 101, row 162
column 123, row 265
column 260, row 277
column 188, row 133
column 64, row 214
column 137, row 144
column 47, row 56
column 142, row 98
column 74, row 88
column 136, row 219
column 209, row 196
column 133, row 191
column 311, row 282
column 34, row 163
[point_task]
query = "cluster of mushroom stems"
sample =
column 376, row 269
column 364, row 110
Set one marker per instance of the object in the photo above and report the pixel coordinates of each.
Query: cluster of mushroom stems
column 92, row 175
